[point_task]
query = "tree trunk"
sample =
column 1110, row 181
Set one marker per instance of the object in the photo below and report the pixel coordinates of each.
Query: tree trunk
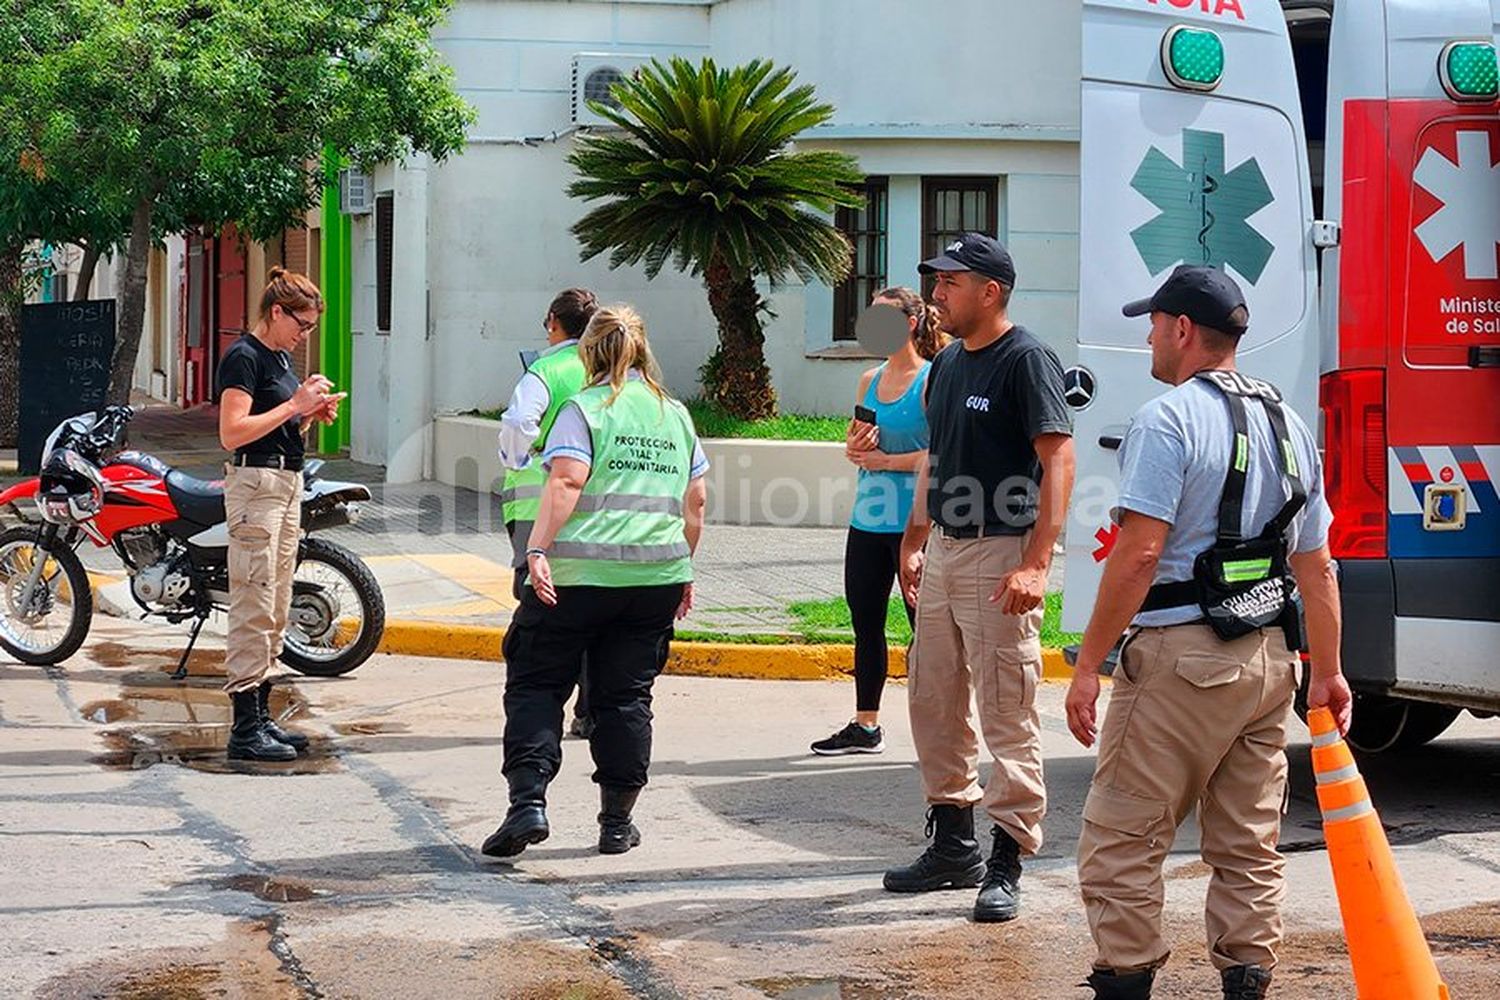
column 736, row 376
column 132, row 303
column 91, row 254
column 11, row 296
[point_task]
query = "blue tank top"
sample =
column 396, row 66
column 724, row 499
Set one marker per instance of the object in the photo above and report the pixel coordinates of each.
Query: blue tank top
column 882, row 500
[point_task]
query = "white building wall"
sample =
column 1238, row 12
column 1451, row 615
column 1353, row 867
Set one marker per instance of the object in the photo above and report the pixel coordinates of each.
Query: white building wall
column 980, row 87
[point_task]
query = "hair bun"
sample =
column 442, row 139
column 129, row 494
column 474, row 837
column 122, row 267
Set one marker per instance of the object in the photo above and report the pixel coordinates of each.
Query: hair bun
column 277, row 271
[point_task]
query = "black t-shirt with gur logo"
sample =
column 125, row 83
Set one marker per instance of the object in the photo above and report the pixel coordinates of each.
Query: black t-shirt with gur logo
column 984, row 408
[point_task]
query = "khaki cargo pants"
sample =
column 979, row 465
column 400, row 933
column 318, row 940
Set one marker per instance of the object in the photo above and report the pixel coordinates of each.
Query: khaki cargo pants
column 965, row 651
column 264, row 513
column 1193, row 721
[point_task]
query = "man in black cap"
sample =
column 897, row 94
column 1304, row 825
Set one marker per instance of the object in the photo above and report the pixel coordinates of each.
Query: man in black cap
column 974, row 558
column 1221, row 498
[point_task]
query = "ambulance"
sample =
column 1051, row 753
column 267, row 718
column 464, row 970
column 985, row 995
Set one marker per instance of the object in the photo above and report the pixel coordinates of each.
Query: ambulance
column 1341, row 159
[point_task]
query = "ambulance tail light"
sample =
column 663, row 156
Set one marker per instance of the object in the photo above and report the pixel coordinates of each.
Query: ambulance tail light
column 1354, row 461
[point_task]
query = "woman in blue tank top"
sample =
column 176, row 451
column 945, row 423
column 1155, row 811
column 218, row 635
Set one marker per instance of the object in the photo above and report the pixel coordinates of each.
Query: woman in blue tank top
column 888, row 454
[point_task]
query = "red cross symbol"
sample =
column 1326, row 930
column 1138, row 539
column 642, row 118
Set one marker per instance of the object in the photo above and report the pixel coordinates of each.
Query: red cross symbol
column 1106, row 538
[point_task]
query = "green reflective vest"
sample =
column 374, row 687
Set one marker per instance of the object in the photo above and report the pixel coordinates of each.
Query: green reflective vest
column 561, row 371
column 627, row 530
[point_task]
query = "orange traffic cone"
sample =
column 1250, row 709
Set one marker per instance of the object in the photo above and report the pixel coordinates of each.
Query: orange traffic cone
column 1390, row 956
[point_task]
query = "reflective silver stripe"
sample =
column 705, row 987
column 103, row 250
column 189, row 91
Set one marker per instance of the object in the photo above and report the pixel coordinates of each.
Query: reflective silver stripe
column 1349, row 812
column 636, row 502
column 520, row 493
column 1325, row 739
column 620, row 553
column 1342, row 774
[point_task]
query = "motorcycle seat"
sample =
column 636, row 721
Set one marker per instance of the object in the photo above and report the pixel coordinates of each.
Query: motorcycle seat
column 198, row 500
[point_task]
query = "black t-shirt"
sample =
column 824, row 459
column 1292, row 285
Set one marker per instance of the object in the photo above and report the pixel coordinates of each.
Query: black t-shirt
column 268, row 377
column 984, row 408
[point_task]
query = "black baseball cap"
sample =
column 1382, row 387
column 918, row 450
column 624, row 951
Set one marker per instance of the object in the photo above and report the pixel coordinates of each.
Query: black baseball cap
column 974, row 252
column 1205, row 295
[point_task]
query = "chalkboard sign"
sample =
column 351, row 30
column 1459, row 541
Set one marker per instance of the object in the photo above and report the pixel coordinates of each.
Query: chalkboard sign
column 66, row 352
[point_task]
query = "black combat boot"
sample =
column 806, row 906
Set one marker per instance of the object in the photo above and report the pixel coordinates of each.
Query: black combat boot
column 616, row 833
column 1245, row 982
column 296, row 741
column 526, row 822
column 248, row 739
column 952, row 861
column 1000, row 895
column 1111, row 985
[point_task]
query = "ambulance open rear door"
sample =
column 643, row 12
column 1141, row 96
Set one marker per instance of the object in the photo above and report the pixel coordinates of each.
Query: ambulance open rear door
column 1192, row 151
column 1411, row 390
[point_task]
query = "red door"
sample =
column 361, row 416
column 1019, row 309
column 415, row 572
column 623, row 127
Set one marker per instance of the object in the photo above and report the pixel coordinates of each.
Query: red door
column 198, row 359
column 230, row 303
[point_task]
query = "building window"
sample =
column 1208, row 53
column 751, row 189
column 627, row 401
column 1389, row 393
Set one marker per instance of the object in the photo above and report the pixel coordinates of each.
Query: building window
column 955, row 205
column 385, row 206
column 866, row 229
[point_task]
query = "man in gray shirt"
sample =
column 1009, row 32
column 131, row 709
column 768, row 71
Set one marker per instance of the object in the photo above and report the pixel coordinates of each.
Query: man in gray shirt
column 1196, row 720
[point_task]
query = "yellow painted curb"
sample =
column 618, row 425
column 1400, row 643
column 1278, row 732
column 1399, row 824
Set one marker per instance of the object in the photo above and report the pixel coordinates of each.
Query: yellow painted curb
column 453, row 641
column 688, row 659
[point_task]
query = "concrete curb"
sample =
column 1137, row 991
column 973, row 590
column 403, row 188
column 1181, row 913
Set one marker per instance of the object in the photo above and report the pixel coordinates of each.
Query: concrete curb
column 688, row 659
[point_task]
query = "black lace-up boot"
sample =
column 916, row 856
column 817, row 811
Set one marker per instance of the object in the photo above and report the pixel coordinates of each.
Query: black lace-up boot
column 1245, row 982
column 1000, row 895
column 952, row 861
column 1110, row 985
column 248, row 739
column 296, row 741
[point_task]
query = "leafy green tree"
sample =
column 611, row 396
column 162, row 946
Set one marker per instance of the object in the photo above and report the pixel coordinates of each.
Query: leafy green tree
column 702, row 172
column 171, row 112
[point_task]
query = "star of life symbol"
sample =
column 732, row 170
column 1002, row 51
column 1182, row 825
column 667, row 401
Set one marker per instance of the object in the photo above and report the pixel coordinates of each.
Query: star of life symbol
column 1470, row 193
column 1204, row 209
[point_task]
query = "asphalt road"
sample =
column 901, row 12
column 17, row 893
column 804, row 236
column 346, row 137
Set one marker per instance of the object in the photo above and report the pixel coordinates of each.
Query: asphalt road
column 138, row 863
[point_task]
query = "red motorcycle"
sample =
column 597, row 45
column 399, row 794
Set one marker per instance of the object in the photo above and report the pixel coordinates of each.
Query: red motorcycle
column 169, row 531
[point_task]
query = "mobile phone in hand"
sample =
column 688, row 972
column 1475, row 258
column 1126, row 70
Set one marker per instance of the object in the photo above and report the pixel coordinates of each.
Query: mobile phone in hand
column 864, row 413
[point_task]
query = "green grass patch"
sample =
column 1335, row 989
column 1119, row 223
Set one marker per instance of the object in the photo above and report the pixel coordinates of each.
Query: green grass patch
column 830, row 621
column 711, row 421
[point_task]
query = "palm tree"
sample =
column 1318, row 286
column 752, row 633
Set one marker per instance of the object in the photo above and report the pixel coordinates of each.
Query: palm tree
column 702, row 173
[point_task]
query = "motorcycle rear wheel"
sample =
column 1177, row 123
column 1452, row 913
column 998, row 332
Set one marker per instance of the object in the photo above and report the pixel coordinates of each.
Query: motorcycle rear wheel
column 67, row 597
column 337, row 614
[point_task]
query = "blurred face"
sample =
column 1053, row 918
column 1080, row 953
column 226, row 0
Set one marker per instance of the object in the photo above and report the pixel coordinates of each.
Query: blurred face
column 964, row 301
column 911, row 321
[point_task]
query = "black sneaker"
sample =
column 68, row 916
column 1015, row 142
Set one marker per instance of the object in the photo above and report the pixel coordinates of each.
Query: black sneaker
column 853, row 738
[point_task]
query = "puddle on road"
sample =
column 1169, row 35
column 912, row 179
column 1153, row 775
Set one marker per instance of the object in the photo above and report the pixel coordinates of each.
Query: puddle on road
column 159, row 721
column 838, row 988
column 241, row 965
column 271, row 889
column 118, row 656
column 370, row 728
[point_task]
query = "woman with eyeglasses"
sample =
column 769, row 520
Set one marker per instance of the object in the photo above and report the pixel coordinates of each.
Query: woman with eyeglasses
column 263, row 414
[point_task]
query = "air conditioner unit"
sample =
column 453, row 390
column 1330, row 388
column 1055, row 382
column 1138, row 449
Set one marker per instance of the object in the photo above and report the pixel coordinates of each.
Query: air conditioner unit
column 356, row 192
column 593, row 74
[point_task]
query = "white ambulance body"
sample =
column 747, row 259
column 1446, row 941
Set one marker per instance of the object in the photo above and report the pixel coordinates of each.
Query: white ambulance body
column 1257, row 137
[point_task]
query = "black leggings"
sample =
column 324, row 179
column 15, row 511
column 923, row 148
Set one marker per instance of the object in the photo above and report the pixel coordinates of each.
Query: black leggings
column 872, row 563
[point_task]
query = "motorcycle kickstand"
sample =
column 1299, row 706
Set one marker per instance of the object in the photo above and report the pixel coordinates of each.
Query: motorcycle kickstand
column 181, row 672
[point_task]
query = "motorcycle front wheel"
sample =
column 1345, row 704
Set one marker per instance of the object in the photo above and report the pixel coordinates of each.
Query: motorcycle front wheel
column 337, row 615
column 48, row 626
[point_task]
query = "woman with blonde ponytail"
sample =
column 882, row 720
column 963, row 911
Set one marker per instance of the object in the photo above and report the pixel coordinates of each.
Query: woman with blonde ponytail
column 263, row 413
column 888, row 453
column 610, row 568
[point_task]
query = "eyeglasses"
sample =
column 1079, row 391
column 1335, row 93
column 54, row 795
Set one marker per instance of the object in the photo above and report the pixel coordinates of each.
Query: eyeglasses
column 303, row 325
column 547, row 322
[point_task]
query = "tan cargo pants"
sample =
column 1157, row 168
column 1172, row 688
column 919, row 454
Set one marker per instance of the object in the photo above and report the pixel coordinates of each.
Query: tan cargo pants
column 1193, row 721
column 965, row 647
column 264, row 512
